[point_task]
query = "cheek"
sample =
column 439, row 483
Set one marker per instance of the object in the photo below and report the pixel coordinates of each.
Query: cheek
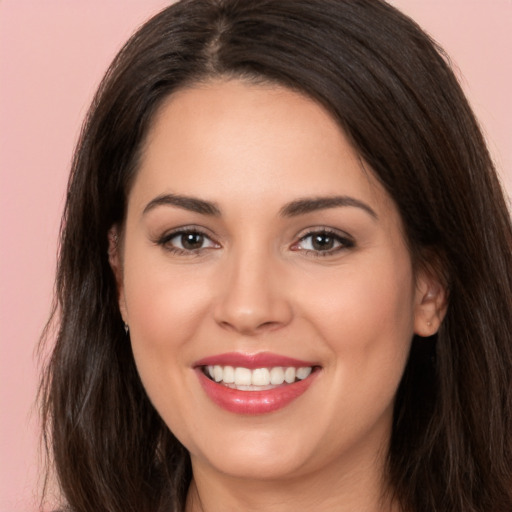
column 163, row 307
column 164, row 310
column 367, row 324
column 366, row 319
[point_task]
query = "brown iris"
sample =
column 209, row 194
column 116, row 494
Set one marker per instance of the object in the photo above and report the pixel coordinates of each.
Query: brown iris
column 191, row 241
column 322, row 242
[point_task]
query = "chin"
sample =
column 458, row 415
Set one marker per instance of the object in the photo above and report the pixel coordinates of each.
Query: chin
column 258, row 464
column 259, row 452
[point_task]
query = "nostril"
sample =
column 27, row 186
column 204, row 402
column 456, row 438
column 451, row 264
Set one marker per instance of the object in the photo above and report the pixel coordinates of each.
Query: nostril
column 250, row 329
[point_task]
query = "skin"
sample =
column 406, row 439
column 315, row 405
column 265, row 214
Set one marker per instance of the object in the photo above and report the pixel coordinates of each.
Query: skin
column 258, row 284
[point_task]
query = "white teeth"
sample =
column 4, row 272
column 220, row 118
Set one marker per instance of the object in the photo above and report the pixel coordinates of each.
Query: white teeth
column 229, row 375
column 304, row 372
column 217, row 373
column 243, row 377
column 276, row 376
column 289, row 375
column 260, row 377
column 246, row 379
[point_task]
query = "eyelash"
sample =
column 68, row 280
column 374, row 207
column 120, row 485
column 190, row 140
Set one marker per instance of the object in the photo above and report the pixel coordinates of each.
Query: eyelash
column 165, row 240
column 344, row 242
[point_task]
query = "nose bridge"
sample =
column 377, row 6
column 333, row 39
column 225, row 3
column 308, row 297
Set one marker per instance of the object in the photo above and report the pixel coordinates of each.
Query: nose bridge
column 251, row 297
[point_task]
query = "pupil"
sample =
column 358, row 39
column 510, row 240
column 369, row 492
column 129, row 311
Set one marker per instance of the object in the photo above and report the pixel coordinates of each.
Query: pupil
column 192, row 241
column 323, row 242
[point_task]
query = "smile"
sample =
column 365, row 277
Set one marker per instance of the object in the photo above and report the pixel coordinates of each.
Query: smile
column 245, row 379
column 254, row 384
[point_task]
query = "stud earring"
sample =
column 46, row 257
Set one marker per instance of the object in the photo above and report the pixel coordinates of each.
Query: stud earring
column 113, row 239
column 429, row 323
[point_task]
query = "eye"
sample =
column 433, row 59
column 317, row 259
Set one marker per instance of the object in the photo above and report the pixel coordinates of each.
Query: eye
column 187, row 241
column 323, row 241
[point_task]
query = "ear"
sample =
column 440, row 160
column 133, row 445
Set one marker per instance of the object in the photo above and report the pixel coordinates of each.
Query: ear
column 431, row 303
column 114, row 259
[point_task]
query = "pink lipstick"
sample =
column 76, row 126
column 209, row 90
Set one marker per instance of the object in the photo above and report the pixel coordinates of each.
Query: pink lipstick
column 254, row 383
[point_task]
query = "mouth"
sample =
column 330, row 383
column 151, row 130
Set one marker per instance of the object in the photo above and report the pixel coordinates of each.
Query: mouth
column 258, row 379
column 255, row 384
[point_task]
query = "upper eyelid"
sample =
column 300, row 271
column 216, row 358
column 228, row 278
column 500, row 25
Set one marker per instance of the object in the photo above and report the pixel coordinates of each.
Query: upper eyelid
column 164, row 240
column 345, row 241
column 185, row 229
column 304, row 233
column 324, row 229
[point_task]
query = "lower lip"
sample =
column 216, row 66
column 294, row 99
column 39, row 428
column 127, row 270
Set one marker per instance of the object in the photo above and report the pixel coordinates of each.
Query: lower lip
column 253, row 402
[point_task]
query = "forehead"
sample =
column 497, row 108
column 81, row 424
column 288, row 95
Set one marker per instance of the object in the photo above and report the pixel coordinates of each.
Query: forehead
column 254, row 142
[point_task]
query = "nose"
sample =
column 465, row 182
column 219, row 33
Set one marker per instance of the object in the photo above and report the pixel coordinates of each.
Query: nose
column 252, row 296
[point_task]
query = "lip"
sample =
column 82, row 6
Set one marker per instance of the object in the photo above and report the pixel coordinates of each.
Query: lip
column 252, row 361
column 253, row 402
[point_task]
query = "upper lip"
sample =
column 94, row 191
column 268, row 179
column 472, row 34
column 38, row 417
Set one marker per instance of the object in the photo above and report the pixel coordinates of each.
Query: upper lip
column 252, row 361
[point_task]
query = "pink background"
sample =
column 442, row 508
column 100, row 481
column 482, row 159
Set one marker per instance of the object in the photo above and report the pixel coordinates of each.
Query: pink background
column 52, row 56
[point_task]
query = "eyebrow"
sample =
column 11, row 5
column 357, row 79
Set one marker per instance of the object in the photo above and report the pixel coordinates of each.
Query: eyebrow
column 192, row 204
column 308, row 205
column 292, row 209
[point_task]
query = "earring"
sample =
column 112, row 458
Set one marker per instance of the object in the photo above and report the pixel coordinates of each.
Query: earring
column 126, row 328
column 429, row 323
column 113, row 241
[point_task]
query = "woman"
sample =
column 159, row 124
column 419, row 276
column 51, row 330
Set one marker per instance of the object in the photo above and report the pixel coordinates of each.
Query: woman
column 284, row 277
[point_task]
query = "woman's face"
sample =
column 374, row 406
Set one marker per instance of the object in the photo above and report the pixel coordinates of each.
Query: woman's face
column 259, row 250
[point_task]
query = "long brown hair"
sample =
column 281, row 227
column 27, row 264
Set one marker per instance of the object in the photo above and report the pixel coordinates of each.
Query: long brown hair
column 392, row 91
